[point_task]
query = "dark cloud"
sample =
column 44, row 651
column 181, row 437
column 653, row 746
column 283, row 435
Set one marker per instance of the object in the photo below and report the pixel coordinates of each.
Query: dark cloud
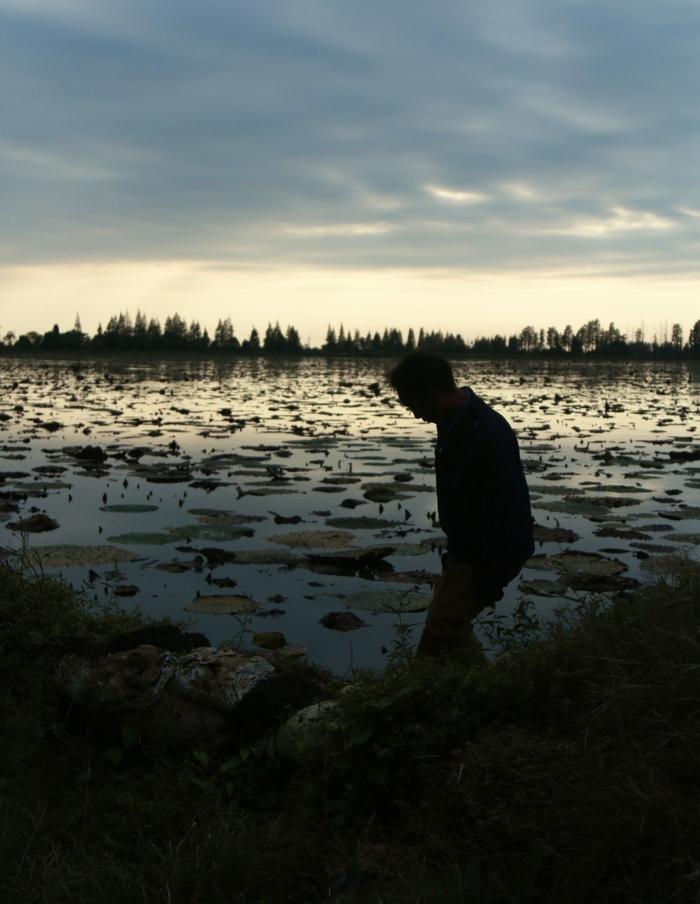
column 522, row 134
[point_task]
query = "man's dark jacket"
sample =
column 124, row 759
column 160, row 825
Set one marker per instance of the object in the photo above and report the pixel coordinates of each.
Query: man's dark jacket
column 482, row 495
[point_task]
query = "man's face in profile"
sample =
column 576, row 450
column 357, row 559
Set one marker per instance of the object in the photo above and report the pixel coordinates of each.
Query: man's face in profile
column 423, row 407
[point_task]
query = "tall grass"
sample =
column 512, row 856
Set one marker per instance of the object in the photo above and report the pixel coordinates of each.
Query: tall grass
column 567, row 771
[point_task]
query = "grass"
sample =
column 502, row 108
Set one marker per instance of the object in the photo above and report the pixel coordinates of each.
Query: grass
column 565, row 771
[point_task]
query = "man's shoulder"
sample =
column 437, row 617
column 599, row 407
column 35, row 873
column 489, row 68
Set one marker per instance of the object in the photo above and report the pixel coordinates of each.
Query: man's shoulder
column 480, row 412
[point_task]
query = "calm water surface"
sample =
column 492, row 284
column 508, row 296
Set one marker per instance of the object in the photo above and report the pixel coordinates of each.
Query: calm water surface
column 611, row 452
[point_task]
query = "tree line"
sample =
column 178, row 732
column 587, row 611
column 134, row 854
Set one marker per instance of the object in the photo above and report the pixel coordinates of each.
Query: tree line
column 142, row 334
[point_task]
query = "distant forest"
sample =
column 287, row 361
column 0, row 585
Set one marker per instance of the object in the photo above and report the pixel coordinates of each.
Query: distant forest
column 142, row 334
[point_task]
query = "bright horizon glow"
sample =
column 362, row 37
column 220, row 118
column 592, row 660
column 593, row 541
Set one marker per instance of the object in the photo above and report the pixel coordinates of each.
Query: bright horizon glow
column 474, row 304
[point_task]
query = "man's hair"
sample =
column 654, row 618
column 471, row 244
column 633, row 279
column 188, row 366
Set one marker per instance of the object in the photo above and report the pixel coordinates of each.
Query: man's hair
column 420, row 373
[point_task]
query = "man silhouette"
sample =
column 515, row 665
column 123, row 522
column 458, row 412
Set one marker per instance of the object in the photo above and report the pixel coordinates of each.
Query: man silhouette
column 482, row 496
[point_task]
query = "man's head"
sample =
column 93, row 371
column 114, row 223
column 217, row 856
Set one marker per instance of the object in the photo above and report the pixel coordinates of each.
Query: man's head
column 425, row 384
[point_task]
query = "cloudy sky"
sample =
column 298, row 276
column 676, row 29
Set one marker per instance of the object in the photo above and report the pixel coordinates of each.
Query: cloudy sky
column 459, row 165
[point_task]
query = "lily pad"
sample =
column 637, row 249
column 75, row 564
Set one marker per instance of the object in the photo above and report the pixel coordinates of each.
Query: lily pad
column 387, row 601
column 543, row 534
column 574, row 562
column 543, row 588
column 265, row 557
column 419, row 576
column 223, row 604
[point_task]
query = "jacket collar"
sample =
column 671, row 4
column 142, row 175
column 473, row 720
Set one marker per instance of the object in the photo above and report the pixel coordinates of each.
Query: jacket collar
column 446, row 426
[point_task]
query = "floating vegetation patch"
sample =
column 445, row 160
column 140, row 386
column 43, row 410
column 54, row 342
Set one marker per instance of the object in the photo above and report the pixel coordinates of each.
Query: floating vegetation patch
column 345, row 479
column 689, row 538
column 362, row 522
column 418, row 576
column 387, row 601
column 263, row 490
column 128, row 509
column 223, row 604
column 265, row 557
column 223, row 516
column 615, row 487
column 681, row 514
column 184, row 532
column 585, row 505
column 410, row 549
column 388, row 492
column 67, row 555
column 314, row 539
column 40, row 487
column 544, row 489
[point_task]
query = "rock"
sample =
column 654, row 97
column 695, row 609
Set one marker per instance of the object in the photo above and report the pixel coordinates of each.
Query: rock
column 36, row 524
column 90, row 453
column 125, row 590
column 305, row 734
column 366, row 563
column 342, row 621
column 204, row 697
column 352, row 503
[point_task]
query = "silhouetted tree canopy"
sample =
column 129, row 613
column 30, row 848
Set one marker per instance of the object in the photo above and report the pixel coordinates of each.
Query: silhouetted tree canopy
column 122, row 334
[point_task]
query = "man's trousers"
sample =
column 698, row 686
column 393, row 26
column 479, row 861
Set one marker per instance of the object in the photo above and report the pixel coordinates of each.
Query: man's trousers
column 448, row 627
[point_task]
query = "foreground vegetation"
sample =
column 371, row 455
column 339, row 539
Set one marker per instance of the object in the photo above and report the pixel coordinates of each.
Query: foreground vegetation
column 565, row 771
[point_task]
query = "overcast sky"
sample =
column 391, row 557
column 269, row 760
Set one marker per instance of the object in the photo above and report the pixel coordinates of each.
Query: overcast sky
column 461, row 165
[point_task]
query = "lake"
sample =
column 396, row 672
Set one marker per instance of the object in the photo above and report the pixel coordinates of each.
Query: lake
column 299, row 489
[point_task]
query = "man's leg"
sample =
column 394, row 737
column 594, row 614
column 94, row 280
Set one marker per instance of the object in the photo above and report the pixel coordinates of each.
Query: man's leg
column 448, row 627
